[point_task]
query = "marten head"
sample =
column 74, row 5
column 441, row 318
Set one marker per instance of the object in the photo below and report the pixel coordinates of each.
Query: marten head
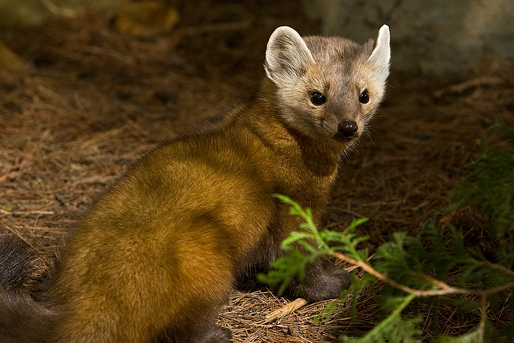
column 327, row 88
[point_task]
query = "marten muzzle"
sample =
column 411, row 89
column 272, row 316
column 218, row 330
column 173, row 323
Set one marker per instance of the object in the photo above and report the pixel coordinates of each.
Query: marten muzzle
column 346, row 130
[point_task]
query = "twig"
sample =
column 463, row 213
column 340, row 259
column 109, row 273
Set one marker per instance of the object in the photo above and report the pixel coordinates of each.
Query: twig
column 285, row 310
column 23, row 213
column 497, row 289
column 17, row 234
column 499, row 267
column 483, row 317
column 445, row 289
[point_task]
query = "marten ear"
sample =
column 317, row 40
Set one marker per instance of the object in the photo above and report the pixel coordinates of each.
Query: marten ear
column 287, row 56
column 381, row 55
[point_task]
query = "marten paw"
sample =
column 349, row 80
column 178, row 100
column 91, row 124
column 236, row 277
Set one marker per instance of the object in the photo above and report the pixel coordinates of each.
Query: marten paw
column 220, row 335
column 323, row 283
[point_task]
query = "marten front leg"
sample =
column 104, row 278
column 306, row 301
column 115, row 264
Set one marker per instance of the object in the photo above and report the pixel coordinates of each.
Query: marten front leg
column 323, row 280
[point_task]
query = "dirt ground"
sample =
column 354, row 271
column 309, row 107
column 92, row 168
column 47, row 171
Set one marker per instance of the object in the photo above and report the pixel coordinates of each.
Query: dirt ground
column 94, row 99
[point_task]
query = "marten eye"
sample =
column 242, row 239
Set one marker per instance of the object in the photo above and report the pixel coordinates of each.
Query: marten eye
column 317, row 98
column 364, row 97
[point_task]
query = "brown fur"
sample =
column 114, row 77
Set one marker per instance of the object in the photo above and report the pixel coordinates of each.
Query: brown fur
column 159, row 253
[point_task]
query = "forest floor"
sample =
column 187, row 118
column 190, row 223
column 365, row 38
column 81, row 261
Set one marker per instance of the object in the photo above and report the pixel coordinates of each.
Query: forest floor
column 93, row 100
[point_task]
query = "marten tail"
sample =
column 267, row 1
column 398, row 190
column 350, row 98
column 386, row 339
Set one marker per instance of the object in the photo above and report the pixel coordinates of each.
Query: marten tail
column 22, row 319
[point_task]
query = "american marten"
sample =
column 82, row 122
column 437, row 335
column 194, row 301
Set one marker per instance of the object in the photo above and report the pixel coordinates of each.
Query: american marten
column 159, row 253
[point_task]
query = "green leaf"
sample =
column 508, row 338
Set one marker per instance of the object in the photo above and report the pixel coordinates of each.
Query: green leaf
column 394, row 328
column 296, row 236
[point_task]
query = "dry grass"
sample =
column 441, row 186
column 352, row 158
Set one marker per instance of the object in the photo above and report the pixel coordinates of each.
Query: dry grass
column 94, row 100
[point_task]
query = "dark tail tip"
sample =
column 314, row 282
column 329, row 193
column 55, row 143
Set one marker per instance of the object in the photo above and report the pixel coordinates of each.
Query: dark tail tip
column 16, row 262
column 22, row 319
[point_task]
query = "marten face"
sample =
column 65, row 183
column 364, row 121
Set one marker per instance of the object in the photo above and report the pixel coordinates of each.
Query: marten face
column 327, row 88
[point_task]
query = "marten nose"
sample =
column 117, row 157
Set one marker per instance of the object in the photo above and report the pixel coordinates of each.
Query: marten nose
column 347, row 128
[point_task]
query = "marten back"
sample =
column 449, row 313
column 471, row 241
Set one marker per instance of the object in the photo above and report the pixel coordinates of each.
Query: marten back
column 159, row 253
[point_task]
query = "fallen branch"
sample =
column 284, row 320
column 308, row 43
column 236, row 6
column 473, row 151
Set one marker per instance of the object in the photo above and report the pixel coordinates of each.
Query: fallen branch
column 285, row 310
